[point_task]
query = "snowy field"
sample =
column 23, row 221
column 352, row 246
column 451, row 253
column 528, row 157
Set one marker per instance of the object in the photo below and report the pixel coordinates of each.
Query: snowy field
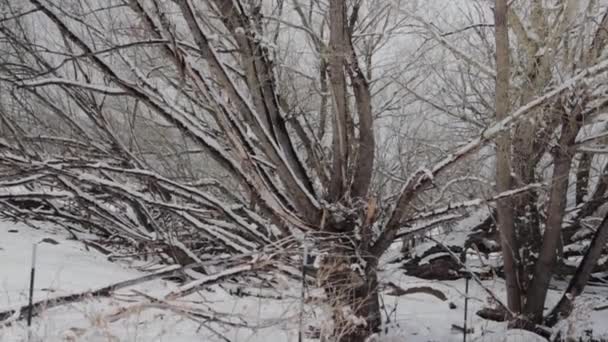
column 139, row 313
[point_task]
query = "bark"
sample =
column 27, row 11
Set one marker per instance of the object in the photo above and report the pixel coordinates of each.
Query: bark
column 598, row 197
column 503, row 167
column 599, row 40
column 338, row 50
column 323, row 106
column 364, row 165
column 352, row 294
column 582, row 177
column 581, row 276
column 529, row 145
column 527, row 234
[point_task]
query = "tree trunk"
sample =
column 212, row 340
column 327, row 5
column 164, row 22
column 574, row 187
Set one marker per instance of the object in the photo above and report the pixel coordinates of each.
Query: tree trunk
column 527, row 236
column 582, row 177
column 535, row 299
column 367, row 304
column 349, row 278
column 340, row 144
column 503, row 167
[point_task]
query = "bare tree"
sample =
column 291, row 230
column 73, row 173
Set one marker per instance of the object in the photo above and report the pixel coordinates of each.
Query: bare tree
column 548, row 42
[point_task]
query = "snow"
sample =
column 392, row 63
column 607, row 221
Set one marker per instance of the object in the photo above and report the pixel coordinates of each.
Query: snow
column 56, row 268
column 515, row 335
column 144, row 312
column 432, row 257
column 68, row 267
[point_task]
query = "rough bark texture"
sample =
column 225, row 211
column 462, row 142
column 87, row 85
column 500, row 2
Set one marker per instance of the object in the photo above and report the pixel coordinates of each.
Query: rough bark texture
column 341, row 146
column 582, row 177
column 352, row 294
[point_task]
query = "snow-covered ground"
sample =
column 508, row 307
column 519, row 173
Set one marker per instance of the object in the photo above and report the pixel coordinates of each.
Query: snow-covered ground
column 68, row 267
column 133, row 314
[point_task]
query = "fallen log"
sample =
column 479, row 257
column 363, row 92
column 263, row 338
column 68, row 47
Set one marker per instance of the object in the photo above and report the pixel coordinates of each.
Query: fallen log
column 493, row 314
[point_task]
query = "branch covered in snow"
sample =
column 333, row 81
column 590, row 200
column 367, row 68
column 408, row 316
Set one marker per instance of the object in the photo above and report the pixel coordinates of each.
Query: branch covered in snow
column 65, row 82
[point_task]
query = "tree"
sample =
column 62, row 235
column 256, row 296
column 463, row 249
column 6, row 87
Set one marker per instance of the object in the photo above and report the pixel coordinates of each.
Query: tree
column 503, row 162
column 548, row 42
column 210, row 75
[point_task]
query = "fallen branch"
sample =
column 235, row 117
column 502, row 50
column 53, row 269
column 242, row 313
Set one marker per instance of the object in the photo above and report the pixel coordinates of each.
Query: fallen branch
column 8, row 316
column 214, row 278
column 398, row 291
column 38, row 307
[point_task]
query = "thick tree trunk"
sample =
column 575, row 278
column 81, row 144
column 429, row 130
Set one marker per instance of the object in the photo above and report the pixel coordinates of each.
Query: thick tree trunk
column 503, row 165
column 367, row 306
column 348, row 275
column 354, row 301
